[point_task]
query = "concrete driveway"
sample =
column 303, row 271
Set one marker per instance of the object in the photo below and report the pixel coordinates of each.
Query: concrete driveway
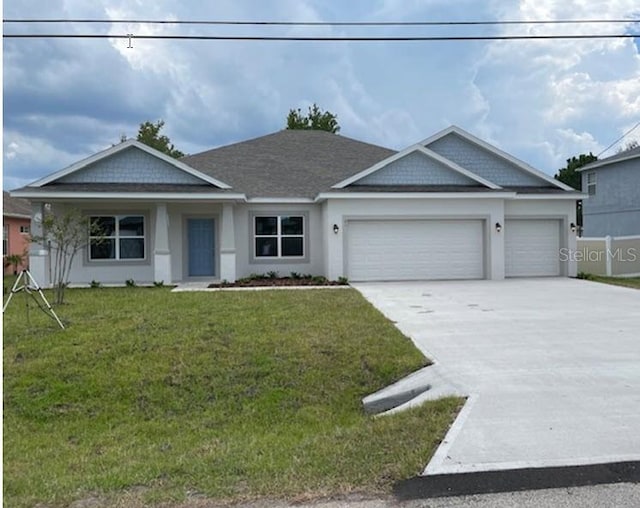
column 551, row 367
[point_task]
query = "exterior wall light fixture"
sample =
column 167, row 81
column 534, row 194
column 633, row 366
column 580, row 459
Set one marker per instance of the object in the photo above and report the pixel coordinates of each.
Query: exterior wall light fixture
column 573, row 227
column 498, row 227
column 336, row 228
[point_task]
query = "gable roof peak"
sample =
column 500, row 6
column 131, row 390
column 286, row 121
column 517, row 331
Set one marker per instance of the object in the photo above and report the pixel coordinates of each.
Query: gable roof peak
column 523, row 166
column 120, row 147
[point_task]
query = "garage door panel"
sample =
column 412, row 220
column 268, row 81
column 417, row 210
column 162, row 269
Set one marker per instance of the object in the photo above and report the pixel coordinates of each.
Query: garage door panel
column 532, row 248
column 415, row 249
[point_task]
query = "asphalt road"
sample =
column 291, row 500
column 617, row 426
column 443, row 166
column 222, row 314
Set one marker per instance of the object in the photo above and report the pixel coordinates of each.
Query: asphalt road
column 620, row 495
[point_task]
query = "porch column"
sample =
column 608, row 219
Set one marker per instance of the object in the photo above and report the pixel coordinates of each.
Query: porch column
column 228, row 244
column 38, row 251
column 161, row 252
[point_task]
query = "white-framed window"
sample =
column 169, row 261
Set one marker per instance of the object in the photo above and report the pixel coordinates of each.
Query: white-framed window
column 279, row 236
column 591, row 183
column 5, row 239
column 117, row 238
column 25, row 230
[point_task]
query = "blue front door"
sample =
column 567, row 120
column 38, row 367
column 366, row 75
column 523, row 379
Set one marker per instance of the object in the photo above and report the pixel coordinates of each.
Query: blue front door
column 202, row 245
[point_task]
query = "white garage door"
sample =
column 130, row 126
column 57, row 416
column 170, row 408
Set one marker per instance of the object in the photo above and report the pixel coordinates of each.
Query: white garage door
column 415, row 250
column 532, row 248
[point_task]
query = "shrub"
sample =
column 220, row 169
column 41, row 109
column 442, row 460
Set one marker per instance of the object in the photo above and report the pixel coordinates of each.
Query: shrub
column 272, row 274
column 158, row 283
column 130, row 283
column 343, row 281
column 585, row 276
column 95, row 284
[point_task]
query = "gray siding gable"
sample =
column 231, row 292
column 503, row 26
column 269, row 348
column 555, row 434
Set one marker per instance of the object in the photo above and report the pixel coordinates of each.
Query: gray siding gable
column 131, row 165
column 483, row 163
column 416, row 169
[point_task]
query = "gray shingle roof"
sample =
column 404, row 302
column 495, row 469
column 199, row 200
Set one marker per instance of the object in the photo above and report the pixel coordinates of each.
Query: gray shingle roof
column 627, row 154
column 15, row 207
column 289, row 163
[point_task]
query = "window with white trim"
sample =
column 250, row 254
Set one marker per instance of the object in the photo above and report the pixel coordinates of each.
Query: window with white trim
column 591, row 183
column 25, row 230
column 279, row 236
column 117, row 238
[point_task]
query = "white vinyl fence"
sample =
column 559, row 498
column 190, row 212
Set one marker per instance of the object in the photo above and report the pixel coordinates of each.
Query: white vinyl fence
column 612, row 256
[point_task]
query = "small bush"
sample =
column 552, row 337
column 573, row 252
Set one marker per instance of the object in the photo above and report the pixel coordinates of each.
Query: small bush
column 158, row 283
column 130, row 283
column 319, row 280
column 296, row 275
column 95, row 284
column 343, row 281
column 272, row 274
column 585, row 276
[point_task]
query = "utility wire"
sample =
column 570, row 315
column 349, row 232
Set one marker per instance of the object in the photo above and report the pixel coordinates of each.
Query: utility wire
column 319, row 39
column 324, row 23
column 619, row 139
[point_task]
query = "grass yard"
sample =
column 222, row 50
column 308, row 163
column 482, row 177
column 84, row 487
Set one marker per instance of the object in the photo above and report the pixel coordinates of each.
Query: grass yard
column 628, row 282
column 151, row 397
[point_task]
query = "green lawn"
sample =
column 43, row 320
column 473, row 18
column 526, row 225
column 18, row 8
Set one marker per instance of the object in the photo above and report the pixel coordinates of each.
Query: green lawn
column 151, row 397
column 628, row 282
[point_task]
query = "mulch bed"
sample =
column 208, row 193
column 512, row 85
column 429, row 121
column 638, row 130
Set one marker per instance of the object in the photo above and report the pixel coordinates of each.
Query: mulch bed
column 277, row 282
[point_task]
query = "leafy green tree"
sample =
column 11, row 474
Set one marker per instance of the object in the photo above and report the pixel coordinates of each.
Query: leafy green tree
column 149, row 134
column 569, row 174
column 316, row 119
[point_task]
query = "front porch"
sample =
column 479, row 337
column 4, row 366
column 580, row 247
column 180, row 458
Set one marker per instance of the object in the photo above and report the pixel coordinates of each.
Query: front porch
column 181, row 241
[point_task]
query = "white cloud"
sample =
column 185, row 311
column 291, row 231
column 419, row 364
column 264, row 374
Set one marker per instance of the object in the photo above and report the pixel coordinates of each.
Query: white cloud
column 541, row 101
column 557, row 98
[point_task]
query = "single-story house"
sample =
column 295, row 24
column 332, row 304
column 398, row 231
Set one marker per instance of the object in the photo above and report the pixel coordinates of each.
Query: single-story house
column 613, row 186
column 311, row 202
column 16, row 222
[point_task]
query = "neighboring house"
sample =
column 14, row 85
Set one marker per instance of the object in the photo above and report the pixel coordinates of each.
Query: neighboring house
column 613, row 185
column 450, row 207
column 16, row 221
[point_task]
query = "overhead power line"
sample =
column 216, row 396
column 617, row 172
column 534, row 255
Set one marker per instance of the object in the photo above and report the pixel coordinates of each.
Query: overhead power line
column 619, row 139
column 320, row 39
column 324, row 23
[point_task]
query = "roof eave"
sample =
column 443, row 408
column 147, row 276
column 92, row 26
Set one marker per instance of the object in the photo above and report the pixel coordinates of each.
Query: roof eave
column 127, row 196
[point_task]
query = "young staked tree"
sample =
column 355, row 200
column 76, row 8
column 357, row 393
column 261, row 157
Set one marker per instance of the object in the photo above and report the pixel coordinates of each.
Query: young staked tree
column 316, row 119
column 66, row 233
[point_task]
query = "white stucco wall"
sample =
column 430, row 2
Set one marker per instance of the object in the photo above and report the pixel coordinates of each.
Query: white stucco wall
column 246, row 262
column 340, row 212
column 84, row 271
column 325, row 250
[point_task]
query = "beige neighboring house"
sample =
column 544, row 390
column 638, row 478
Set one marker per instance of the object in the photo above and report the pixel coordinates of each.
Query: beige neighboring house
column 16, row 224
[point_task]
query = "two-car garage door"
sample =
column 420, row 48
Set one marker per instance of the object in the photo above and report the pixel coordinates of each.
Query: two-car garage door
column 415, row 249
column 448, row 249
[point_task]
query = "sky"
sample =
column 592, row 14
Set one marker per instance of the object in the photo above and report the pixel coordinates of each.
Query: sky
column 541, row 101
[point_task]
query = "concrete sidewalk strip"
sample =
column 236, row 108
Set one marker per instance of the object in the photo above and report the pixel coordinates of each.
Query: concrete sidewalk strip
column 550, row 366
